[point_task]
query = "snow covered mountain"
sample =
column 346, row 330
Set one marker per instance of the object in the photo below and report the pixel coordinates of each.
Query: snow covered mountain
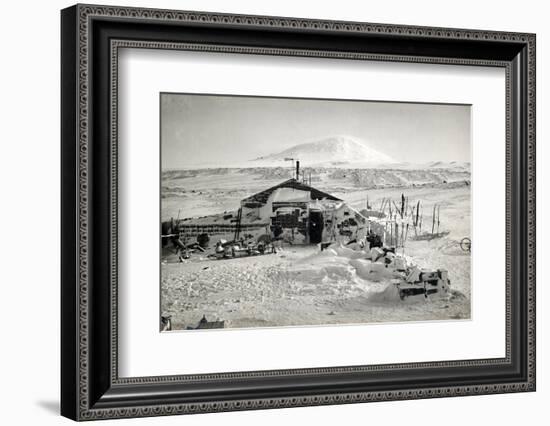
column 331, row 151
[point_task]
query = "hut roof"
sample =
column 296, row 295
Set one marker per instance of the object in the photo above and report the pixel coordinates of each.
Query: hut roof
column 262, row 197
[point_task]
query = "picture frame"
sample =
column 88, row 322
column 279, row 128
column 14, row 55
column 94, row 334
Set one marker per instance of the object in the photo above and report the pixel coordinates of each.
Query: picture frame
column 90, row 384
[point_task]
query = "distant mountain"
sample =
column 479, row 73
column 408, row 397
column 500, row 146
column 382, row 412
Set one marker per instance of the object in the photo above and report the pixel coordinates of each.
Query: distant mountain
column 334, row 151
column 449, row 165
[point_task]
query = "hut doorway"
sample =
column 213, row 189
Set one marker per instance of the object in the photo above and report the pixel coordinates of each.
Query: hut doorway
column 315, row 226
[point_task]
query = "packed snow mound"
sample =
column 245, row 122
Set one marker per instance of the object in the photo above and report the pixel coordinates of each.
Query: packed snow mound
column 340, row 266
column 333, row 150
column 343, row 264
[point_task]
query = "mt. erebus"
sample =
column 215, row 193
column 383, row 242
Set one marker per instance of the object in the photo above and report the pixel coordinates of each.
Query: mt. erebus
column 330, row 151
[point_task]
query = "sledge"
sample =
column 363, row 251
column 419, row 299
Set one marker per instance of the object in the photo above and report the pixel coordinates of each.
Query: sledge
column 423, row 282
column 234, row 249
column 243, row 246
column 428, row 237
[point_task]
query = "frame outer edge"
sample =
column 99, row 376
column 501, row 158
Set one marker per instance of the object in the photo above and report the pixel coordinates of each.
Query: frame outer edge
column 80, row 318
column 82, row 140
column 69, row 220
column 531, row 212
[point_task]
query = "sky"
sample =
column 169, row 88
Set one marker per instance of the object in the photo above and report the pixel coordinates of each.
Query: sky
column 226, row 130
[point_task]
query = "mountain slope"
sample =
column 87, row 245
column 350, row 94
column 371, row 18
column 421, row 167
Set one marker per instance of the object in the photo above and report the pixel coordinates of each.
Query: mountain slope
column 333, row 150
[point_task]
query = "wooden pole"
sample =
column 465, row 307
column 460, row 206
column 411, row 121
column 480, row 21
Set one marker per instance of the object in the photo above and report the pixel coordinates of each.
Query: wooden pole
column 397, row 210
column 433, row 220
column 238, row 224
column 406, row 234
column 414, row 220
column 438, row 207
column 396, row 234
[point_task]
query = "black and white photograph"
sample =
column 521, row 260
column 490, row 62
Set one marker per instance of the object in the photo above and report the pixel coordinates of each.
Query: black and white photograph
column 280, row 212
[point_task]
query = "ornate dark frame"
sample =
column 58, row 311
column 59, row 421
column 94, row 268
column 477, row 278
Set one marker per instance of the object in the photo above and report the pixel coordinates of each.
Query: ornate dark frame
column 91, row 37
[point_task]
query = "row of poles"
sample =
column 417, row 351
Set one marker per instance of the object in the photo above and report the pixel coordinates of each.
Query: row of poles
column 402, row 216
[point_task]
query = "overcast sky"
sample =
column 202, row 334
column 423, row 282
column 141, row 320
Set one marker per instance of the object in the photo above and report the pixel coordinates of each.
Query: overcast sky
column 225, row 130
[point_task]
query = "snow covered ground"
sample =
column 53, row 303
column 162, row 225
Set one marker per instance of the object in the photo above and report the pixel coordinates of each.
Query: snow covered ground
column 300, row 285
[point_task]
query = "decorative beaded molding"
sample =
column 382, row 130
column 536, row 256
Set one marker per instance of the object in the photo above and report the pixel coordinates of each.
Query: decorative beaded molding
column 531, row 212
column 87, row 12
column 302, row 401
